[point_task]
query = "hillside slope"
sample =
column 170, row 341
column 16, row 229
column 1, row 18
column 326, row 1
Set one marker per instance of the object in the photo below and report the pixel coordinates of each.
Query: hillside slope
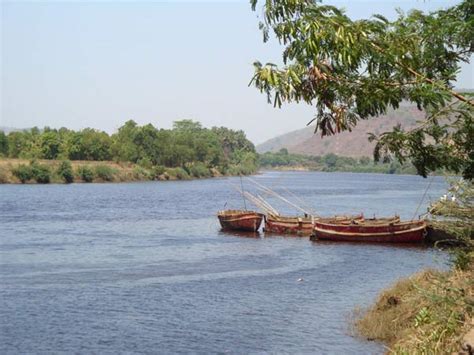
column 350, row 144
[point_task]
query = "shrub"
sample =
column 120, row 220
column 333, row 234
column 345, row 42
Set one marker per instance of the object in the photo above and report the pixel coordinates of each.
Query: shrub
column 181, row 174
column 105, row 172
column 41, row 173
column 4, row 175
column 85, row 173
column 140, row 173
column 23, row 173
column 65, row 171
column 145, row 163
column 177, row 173
column 199, row 170
column 157, row 171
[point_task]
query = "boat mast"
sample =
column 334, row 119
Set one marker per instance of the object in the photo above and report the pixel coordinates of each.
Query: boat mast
column 271, row 192
column 243, row 195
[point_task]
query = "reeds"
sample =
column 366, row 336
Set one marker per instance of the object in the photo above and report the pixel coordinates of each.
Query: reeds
column 427, row 313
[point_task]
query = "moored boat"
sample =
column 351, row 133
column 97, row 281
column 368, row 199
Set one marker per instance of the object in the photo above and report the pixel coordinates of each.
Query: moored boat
column 289, row 225
column 301, row 226
column 240, row 220
column 382, row 230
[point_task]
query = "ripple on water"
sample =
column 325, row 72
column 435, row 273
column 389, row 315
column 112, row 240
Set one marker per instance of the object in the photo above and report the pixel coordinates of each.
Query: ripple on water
column 119, row 268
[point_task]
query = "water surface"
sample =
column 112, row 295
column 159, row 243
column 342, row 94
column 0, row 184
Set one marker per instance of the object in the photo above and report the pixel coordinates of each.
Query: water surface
column 144, row 267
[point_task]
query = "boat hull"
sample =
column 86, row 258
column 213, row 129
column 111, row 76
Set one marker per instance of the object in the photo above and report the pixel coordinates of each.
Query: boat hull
column 394, row 232
column 289, row 225
column 299, row 226
column 240, row 220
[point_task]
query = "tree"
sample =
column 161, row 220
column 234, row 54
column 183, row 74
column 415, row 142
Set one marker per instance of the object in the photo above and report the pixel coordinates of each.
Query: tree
column 330, row 160
column 352, row 70
column 123, row 148
column 96, row 145
column 50, row 144
column 3, row 144
column 17, row 144
column 65, row 171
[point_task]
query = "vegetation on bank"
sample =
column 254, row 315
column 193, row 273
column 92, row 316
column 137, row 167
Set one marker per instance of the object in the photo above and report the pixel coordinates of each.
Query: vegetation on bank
column 65, row 171
column 331, row 162
column 428, row 313
column 135, row 152
column 431, row 312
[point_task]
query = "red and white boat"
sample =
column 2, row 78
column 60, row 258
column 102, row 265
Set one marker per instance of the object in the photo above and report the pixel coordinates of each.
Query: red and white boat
column 240, row 220
column 302, row 226
column 381, row 230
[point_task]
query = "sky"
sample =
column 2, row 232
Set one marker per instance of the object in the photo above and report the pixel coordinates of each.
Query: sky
column 98, row 64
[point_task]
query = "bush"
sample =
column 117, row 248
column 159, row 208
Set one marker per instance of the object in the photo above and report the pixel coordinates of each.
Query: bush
column 140, row 173
column 241, row 169
column 181, row 174
column 4, row 175
column 23, row 173
column 199, row 170
column 41, row 173
column 177, row 173
column 65, row 171
column 145, row 163
column 85, row 173
column 105, row 172
column 157, row 170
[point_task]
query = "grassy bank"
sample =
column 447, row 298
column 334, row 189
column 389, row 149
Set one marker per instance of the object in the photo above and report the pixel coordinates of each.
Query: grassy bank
column 13, row 171
column 428, row 313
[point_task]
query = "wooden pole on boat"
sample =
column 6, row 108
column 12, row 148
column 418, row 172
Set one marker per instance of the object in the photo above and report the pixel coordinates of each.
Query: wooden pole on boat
column 270, row 207
column 243, row 195
column 266, row 189
column 305, row 204
column 264, row 207
column 261, row 204
column 422, row 198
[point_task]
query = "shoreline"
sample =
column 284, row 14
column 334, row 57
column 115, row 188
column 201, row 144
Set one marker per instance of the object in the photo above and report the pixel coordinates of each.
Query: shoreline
column 125, row 172
column 427, row 312
column 101, row 172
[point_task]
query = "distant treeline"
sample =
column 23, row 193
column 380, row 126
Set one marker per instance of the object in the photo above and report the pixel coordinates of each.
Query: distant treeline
column 331, row 162
column 187, row 145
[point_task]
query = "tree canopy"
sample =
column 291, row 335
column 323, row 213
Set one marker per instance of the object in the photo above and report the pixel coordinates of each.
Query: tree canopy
column 187, row 144
column 351, row 70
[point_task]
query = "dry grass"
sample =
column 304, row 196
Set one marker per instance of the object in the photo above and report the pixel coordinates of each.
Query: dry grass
column 427, row 313
column 124, row 171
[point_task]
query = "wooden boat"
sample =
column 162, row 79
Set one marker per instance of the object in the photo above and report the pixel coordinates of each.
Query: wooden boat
column 240, row 220
column 351, row 220
column 380, row 230
column 289, row 225
column 302, row 226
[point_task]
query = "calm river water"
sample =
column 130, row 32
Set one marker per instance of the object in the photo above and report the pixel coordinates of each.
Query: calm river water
column 144, row 268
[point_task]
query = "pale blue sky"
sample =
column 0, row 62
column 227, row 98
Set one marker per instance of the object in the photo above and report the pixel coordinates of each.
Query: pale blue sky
column 98, row 64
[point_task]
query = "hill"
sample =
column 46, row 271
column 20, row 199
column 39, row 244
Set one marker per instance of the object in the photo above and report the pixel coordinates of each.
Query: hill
column 349, row 144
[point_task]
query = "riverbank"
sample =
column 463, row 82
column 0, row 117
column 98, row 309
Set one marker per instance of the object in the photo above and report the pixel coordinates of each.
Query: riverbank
column 428, row 313
column 111, row 171
column 285, row 161
column 97, row 172
column 369, row 169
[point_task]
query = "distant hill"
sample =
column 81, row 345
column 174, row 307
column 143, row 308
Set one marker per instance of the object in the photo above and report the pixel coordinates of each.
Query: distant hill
column 350, row 144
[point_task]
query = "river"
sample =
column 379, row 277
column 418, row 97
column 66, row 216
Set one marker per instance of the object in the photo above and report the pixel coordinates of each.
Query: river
column 144, row 267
